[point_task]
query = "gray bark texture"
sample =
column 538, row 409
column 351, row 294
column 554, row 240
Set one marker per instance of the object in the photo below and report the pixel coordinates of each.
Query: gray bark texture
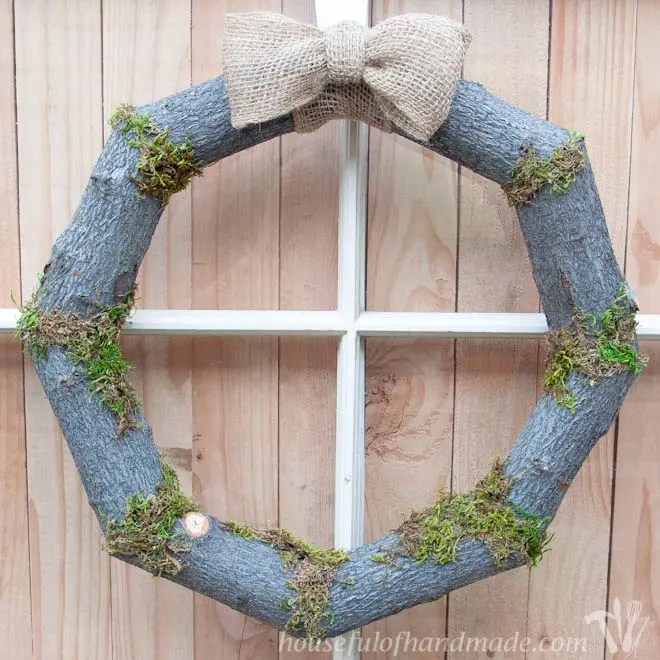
column 94, row 264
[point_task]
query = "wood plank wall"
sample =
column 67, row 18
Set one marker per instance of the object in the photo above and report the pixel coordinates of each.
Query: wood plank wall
column 249, row 423
column 15, row 601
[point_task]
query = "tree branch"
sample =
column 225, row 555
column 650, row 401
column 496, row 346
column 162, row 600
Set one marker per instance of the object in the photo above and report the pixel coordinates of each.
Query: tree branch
column 94, row 265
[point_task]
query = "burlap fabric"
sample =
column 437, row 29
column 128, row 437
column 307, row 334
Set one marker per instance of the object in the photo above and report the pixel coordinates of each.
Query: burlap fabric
column 401, row 72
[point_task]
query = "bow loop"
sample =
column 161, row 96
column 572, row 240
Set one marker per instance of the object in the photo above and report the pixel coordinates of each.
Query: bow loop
column 402, row 72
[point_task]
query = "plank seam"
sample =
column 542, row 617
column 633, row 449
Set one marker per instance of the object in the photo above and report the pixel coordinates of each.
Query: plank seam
column 20, row 298
column 617, row 424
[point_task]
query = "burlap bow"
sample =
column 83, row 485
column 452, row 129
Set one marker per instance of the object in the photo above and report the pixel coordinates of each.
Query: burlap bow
column 402, row 72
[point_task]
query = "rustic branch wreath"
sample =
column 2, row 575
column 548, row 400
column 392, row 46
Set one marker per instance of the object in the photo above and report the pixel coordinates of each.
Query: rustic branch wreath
column 71, row 329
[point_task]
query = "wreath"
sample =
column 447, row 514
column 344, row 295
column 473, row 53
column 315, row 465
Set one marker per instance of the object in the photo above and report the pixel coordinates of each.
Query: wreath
column 281, row 76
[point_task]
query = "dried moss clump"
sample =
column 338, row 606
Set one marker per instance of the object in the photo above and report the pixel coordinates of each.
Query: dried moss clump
column 146, row 530
column 484, row 514
column 92, row 344
column 164, row 168
column 532, row 172
column 314, row 571
column 593, row 346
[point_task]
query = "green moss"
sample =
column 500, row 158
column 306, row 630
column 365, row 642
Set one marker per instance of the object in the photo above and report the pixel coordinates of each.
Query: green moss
column 485, row 514
column 163, row 168
column 532, row 172
column 313, row 569
column 593, row 346
column 92, row 344
column 146, row 530
column 388, row 559
column 240, row 529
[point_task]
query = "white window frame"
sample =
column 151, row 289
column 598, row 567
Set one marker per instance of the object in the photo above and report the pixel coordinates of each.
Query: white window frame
column 349, row 322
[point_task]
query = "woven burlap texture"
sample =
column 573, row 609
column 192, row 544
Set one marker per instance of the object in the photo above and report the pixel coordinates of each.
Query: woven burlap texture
column 402, row 72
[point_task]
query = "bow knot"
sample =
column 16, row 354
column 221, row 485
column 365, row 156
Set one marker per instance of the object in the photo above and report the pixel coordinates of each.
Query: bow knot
column 345, row 52
column 402, row 72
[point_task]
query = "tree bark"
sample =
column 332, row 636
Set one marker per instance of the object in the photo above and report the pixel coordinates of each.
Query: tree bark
column 95, row 262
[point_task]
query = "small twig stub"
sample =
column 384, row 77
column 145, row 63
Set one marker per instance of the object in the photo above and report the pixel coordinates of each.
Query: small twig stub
column 196, row 524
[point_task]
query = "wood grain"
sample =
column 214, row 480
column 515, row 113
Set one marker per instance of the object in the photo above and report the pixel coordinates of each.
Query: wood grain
column 635, row 549
column 15, row 605
column 235, row 390
column 146, row 55
column 411, row 266
column 591, row 69
column 495, row 380
column 58, row 82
